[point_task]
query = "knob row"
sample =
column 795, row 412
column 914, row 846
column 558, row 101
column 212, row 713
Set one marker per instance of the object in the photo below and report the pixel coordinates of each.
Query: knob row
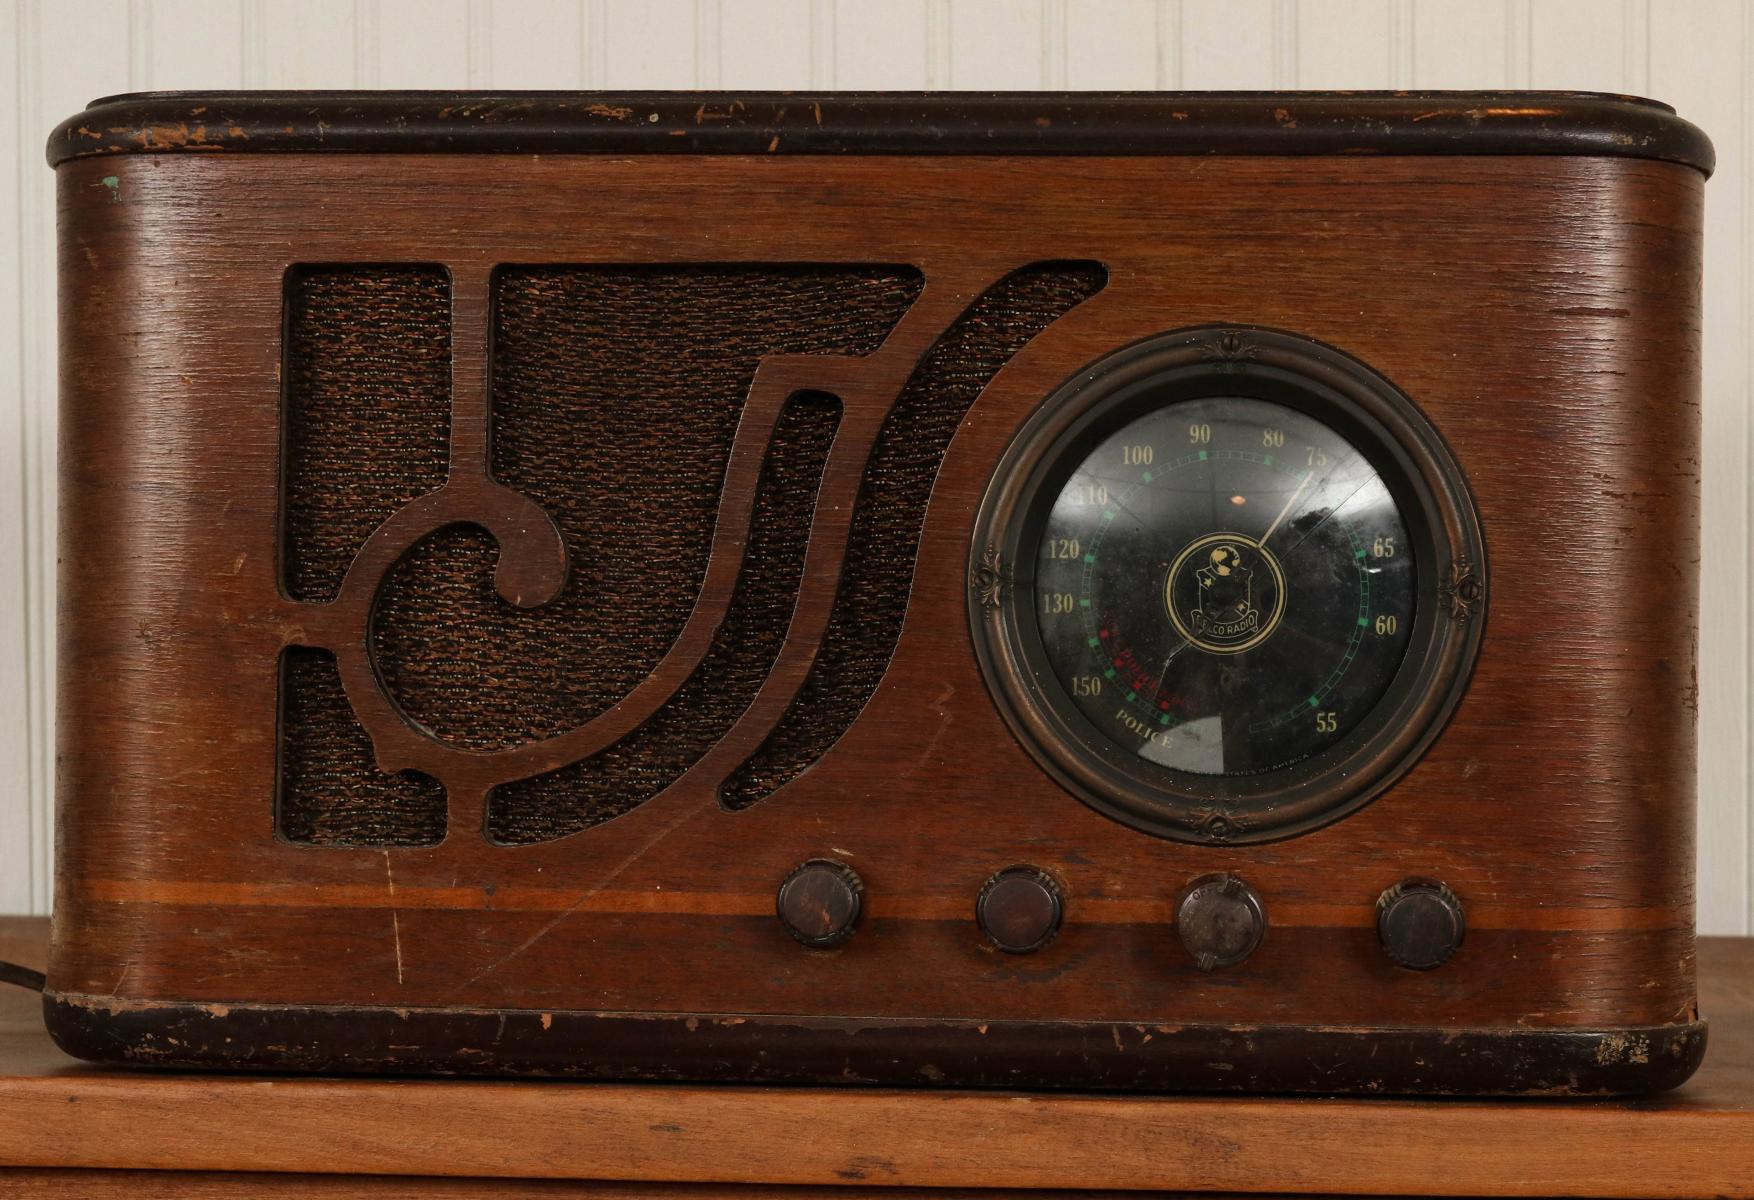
column 1219, row 918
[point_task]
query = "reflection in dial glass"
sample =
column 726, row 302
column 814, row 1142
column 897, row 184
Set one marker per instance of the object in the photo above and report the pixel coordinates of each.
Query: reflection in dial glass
column 1225, row 586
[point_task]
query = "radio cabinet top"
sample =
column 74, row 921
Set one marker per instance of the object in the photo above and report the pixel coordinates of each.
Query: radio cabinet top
column 1090, row 124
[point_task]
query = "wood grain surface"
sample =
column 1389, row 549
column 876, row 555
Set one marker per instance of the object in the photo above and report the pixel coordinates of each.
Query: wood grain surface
column 1543, row 312
column 237, row 1185
column 56, row 1115
column 229, row 1185
column 175, row 1185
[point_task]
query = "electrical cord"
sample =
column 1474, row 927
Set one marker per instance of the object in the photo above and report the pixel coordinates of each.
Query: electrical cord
column 22, row 977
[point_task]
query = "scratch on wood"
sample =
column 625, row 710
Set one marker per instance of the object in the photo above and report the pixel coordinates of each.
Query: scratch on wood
column 569, row 910
column 395, row 920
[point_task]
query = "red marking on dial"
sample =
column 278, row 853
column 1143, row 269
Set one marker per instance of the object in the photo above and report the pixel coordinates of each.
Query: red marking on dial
column 1131, row 673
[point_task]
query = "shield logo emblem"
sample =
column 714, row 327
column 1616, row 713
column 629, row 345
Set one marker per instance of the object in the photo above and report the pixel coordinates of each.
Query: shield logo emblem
column 1226, row 593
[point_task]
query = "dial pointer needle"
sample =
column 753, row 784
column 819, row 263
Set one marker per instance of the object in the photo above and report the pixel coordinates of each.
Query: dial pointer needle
column 1307, row 475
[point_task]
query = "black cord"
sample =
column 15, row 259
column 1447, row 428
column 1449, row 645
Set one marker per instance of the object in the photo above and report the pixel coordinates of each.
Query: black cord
column 24, row 977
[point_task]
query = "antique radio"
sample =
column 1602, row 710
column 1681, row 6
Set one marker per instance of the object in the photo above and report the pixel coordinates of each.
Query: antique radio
column 1128, row 591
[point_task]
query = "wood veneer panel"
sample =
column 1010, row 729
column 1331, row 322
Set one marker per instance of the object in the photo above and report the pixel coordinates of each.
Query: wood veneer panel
column 1542, row 311
column 175, row 1185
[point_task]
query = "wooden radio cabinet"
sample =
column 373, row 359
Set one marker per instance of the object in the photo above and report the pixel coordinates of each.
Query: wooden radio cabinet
column 1133, row 591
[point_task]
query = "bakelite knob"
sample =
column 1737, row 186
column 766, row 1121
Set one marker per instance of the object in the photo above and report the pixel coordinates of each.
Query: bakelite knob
column 819, row 902
column 1420, row 923
column 1020, row 909
column 1221, row 921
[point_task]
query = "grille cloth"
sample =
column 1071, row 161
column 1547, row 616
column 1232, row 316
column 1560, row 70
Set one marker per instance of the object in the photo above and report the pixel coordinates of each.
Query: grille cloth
column 331, row 792
column 872, row 598
column 743, row 651
column 616, row 393
column 367, row 410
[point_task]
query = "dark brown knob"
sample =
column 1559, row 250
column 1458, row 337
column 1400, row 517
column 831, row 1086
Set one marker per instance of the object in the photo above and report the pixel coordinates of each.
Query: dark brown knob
column 1019, row 909
column 1420, row 923
column 1220, row 920
column 819, row 902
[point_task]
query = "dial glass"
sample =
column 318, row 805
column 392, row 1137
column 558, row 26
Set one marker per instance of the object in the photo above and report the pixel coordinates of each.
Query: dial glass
column 1224, row 586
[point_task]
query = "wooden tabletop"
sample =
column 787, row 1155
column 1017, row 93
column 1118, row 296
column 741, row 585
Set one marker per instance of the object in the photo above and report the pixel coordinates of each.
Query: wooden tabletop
column 59, row 1120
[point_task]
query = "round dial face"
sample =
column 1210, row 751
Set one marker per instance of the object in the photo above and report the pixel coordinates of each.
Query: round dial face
column 1224, row 586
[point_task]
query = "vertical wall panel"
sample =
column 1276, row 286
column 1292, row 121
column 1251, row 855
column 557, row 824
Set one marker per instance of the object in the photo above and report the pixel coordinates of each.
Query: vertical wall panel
column 57, row 54
column 1578, row 44
column 594, row 56
column 534, row 44
column 1700, row 63
column 1461, row 44
column 1741, row 155
column 1113, row 46
column 766, row 43
column 1169, row 44
column 311, row 44
column 880, row 45
column 654, row 44
column 1228, row 43
column 17, row 803
column 416, row 43
column 998, row 44
column 188, row 44
column 1348, row 43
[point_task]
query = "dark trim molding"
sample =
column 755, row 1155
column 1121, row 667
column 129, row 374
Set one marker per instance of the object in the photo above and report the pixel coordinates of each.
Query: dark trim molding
column 806, row 1050
column 1060, row 123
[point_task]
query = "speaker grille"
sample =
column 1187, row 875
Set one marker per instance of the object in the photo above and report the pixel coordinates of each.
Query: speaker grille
column 615, row 398
column 616, row 393
column 331, row 792
column 743, row 651
column 367, row 410
column 872, row 599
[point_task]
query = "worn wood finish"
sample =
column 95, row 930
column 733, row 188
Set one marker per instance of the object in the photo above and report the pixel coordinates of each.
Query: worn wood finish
column 1060, row 123
column 207, row 1185
column 1697, row 1141
column 1543, row 311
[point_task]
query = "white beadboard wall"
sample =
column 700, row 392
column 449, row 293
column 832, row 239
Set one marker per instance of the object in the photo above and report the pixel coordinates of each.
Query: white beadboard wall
column 57, row 54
